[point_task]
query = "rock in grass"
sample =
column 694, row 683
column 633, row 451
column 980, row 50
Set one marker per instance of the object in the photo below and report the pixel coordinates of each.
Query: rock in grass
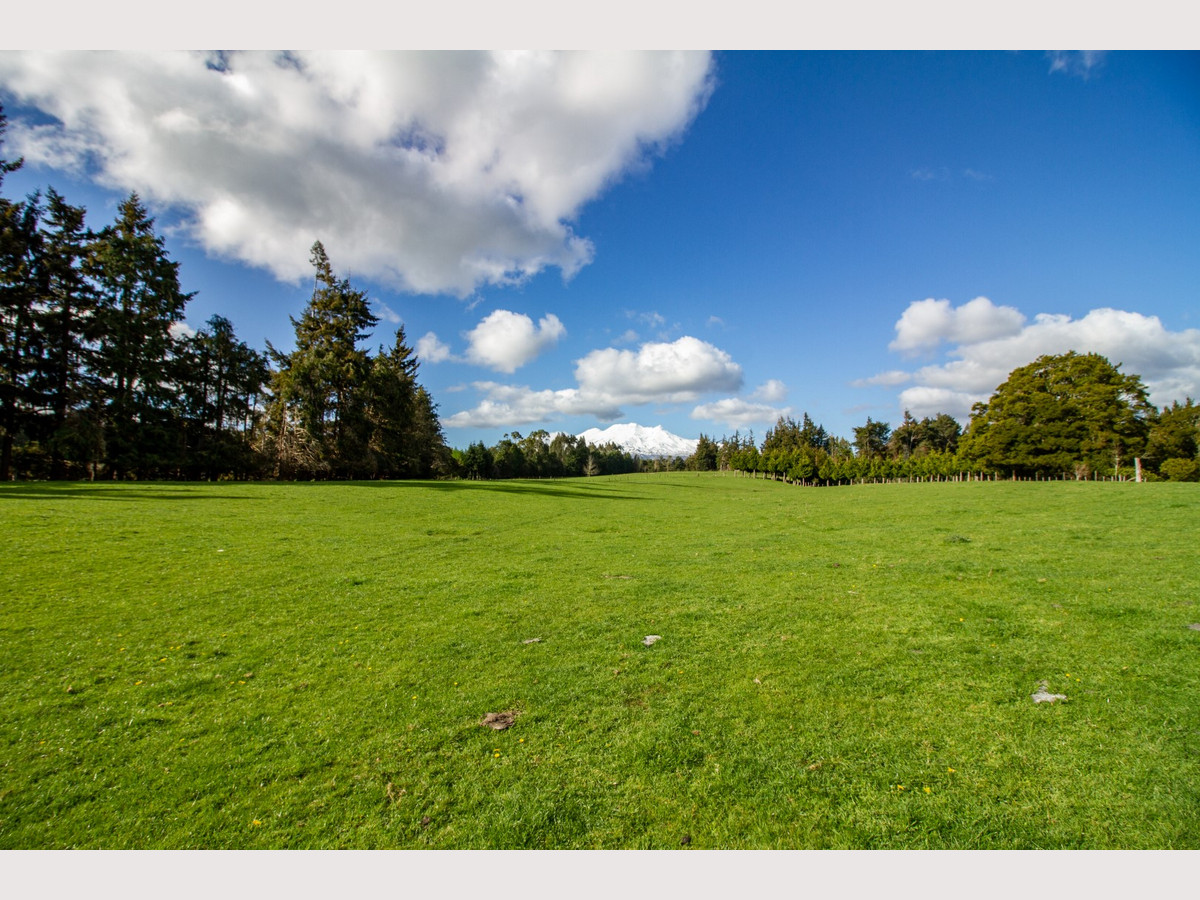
column 499, row 721
column 651, row 638
column 1043, row 694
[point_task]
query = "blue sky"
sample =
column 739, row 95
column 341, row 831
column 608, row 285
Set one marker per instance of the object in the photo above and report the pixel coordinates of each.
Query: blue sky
column 702, row 242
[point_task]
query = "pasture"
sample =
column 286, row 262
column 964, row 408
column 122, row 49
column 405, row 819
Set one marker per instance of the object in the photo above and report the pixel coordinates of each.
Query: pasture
column 307, row 665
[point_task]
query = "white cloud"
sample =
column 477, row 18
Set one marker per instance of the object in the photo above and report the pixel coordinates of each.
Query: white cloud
column 1079, row 63
column 432, row 350
column 926, row 173
column 653, row 319
column 432, row 172
column 887, row 379
column 927, row 323
column 181, row 330
column 386, row 313
column 716, row 322
column 1167, row 361
column 929, row 401
column 505, row 341
column 678, row 372
column 509, row 405
column 629, row 337
column 658, row 372
column 739, row 412
column 771, row 391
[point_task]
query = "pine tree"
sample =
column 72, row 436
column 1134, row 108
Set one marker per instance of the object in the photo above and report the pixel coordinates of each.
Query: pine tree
column 392, row 411
column 138, row 299
column 20, row 249
column 319, row 420
column 67, row 322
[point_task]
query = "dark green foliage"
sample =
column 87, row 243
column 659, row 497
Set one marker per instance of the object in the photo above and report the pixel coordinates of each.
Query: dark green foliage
column 138, row 298
column 871, row 440
column 1175, row 435
column 65, row 382
column 98, row 376
column 339, row 413
column 221, row 382
column 19, row 340
column 319, row 417
column 1073, row 413
column 1180, row 470
column 704, row 459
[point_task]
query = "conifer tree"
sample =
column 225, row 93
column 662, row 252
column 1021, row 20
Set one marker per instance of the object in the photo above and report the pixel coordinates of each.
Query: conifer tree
column 67, row 322
column 319, row 419
column 138, row 299
column 19, row 340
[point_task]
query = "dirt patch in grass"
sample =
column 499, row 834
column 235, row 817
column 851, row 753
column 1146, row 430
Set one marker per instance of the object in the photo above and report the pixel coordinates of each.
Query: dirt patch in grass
column 499, row 721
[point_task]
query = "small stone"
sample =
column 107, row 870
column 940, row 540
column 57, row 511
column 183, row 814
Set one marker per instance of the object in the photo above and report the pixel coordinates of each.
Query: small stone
column 425, row 820
column 532, row 641
column 651, row 638
column 687, row 839
column 1043, row 694
column 1195, row 626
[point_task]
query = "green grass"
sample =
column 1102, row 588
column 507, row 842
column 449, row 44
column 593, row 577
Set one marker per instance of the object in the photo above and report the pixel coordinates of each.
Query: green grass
column 275, row 665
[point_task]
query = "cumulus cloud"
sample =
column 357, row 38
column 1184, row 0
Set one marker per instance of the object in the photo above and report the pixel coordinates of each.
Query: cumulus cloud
column 755, row 409
column 771, row 391
column 505, row 341
column 927, row 323
column 430, row 349
column 506, row 406
column 659, row 372
column 739, row 412
column 431, row 172
column 1167, row 361
column 681, row 371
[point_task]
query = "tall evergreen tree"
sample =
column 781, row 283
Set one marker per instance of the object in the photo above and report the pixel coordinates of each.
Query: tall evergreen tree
column 20, row 251
column 392, row 411
column 320, row 420
column 67, row 322
column 138, row 299
column 871, row 439
column 220, row 380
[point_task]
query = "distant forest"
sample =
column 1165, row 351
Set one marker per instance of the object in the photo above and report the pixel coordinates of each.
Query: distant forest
column 99, row 380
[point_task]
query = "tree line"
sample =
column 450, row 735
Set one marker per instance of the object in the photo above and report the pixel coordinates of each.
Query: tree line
column 99, row 379
column 1062, row 416
column 542, row 455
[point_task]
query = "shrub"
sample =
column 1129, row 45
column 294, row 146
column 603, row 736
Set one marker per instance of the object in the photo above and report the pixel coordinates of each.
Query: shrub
column 1180, row 470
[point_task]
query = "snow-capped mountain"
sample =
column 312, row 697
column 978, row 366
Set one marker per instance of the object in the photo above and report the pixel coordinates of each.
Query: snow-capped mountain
column 639, row 440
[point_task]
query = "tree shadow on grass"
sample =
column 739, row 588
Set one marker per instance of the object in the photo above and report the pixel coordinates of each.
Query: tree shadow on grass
column 134, row 492
column 126, row 492
column 549, row 488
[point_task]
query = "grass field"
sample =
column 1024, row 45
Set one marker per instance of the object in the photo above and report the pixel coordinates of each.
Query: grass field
column 304, row 666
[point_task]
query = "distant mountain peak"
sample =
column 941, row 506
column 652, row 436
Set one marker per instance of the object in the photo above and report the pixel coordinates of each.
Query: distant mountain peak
column 643, row 441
